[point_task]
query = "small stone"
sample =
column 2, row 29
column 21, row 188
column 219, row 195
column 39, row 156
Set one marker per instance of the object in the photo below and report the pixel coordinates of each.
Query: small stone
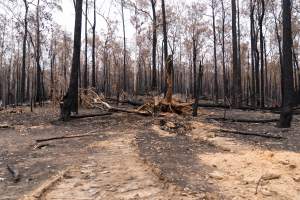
column 292, row 166
column 217, row 175
column 284, row 162
column 296, row 178
column 270, row 176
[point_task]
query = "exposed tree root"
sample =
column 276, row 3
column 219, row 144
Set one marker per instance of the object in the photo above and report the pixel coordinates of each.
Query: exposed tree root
column 151, row 108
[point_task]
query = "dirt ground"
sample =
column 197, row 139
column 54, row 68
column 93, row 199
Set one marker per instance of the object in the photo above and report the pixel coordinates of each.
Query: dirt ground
column 135, row 157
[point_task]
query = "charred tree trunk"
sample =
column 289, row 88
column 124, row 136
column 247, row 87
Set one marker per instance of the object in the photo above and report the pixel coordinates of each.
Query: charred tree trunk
column 216, row 86
column 225, row 83
column 94, row 49
column 71, row 98
column 261, row 37
column 287, row 74
column 236, row 76
column 168, row 58
column 195, row 65
column 85, row 73
column 198, row 90
column 38, row 55
column 23, row 76
column 124, row 50
column 252, row 38
column 154, row 45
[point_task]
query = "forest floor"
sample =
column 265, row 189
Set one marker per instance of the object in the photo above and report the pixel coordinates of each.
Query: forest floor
column 134, row 157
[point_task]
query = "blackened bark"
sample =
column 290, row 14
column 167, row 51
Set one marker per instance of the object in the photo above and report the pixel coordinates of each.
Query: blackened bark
column 236, row 93
column 195, row 65
column 85, row 73
column 225, row 82
column 38, row 52
column 261, row 37
column 216, row 86
column 168, row 58
column 154, row 45
column 71, row 98
column 124, row 49
column 23, row 75
column 198, row 90
column 287, row 74
column 94, row 49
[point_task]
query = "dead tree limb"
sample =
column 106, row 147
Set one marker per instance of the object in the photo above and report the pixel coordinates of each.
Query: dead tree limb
column 90, row 115
column 130, row 102
column 265, row 135
column 243, row 120
column 5, row 126
column 67, row 137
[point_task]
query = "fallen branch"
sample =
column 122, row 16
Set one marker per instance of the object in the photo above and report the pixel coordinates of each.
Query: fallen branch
column 243, row 120
column 90, row 115
column 265, row 135
column 14, row 172
column 5, row 126
column 130, row 102
column 41, row 190
column 40, row 146
column 67, row 137
column 265, row 177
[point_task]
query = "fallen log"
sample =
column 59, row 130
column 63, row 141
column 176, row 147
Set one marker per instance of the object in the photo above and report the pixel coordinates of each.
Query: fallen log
column 90, row 115
column 67, row 137
column 243, row 120
column 114, row 109
column 5, row 126
column 130, row 102
column 40, row 146
column 211, row 105
column 265, row 135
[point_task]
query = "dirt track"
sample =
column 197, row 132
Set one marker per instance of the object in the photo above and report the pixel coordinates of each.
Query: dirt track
column 133, row 158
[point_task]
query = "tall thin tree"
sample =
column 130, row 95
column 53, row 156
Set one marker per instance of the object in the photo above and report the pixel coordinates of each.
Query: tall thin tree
column 70, row 103
column 287, row 74
column 23, row 76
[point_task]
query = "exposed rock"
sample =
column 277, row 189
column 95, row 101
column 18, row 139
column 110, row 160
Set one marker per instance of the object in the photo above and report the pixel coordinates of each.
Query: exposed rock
column 217, row 175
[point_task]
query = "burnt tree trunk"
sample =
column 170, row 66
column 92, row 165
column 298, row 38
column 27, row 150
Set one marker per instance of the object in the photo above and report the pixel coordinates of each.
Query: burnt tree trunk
column 85, row 73
column 287, row 74
column 124, row 48
column 23, row 75
column 154, row 45
column 216, row 86
column 236, row 92
column 70, row 102
column 261, row 37
column 94, row 49
column 225, row 82
column 38, row 56
column 168, row 58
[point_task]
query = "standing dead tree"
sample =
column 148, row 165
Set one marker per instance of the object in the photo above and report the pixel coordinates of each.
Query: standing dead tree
column 70, row 102
column 287, row 73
